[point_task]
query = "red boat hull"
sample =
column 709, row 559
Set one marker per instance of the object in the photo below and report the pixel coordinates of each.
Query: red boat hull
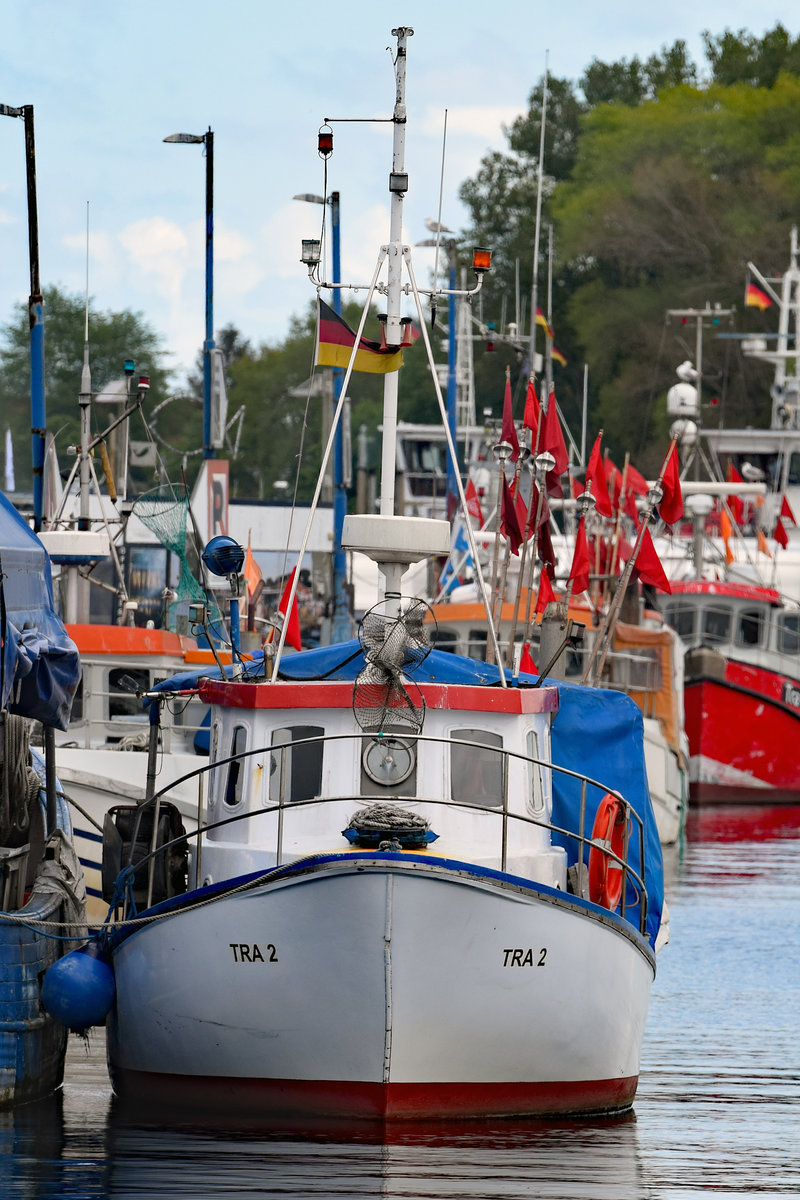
column 743, row 732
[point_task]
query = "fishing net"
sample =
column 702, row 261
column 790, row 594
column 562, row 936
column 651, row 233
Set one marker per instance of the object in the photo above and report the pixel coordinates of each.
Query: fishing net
column 164, row 511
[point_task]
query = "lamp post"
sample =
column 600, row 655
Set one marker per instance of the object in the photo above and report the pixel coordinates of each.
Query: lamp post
column 341, row 626
column 36, row 316
column 206, row 139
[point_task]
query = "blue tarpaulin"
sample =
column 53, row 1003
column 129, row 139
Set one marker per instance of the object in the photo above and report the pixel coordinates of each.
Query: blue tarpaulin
column 596, row 732
column 39, row 663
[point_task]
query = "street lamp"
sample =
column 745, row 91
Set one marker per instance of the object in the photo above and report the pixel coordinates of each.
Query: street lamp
column 341, row 627
column 36, row 314
column 206, row 139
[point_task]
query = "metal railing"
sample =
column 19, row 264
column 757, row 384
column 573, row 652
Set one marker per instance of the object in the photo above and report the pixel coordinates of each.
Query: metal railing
column 584, row 842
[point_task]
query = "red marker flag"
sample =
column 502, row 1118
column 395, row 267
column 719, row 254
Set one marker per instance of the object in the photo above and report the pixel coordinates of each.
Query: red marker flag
column 530, row 418
column 509, row 521
column 780, row 534
column 509, row 432
column 735, row 503
column 671, row 507
column 595, row 475
column 786, row 511
column 545, row 594
column 526, row 664
column 293, row 620
column 552, row 439
column 473, row 503
column 648, row 565
column 579, row 571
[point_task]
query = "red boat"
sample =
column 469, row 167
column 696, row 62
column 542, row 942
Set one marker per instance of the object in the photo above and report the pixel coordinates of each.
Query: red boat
column 741, row 689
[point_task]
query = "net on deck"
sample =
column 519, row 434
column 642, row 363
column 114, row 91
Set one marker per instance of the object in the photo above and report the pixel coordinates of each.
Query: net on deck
column 164, row 511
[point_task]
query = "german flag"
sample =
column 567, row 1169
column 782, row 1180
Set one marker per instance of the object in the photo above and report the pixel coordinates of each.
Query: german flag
column 558, row 356
column 755, row 298
column 335, row 341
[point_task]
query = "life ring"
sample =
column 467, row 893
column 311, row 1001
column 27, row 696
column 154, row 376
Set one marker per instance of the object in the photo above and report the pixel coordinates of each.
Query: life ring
column 605, row 874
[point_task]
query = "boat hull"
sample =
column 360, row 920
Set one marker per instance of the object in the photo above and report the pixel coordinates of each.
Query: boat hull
column 32, row 1044
column 743, row 737
column 393, row 988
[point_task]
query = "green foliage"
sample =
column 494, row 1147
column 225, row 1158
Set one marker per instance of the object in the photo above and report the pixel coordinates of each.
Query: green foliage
column 669, row 188
column 113, row 337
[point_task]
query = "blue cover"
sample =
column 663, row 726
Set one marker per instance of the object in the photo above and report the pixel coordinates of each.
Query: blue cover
column 39, row 663
column 596, row 732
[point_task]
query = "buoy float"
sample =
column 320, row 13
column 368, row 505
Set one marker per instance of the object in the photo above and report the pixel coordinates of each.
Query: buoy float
column 79, row 989
column 605, row 874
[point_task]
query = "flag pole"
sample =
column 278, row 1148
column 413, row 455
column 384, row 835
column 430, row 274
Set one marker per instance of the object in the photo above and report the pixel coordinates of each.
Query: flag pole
column 603, row 641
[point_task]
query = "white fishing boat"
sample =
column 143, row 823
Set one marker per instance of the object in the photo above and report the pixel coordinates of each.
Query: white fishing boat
column 423, row 889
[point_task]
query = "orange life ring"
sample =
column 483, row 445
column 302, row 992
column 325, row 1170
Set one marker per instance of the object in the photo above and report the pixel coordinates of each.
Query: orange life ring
column 605, row 874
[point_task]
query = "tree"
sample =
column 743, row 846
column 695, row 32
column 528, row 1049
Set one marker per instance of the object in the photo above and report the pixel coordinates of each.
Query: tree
column 667, row 204
column 113, row 338
column 742, row 58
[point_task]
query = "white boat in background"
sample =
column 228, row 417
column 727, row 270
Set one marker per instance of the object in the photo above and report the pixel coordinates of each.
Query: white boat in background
column 420, row 891
column 103, row 756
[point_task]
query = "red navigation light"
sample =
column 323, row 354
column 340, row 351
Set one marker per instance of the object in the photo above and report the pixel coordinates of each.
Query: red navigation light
column 144, row 383
column 325, row 141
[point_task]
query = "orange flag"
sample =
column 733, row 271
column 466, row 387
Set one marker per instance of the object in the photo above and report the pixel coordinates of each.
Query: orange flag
column 252, row 574
column 726, row 529
column 762, row 544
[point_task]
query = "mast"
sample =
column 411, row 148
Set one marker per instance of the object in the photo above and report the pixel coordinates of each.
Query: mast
column 398, row 186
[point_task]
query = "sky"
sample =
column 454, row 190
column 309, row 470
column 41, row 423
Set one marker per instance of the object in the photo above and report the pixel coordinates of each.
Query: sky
column 108, row 81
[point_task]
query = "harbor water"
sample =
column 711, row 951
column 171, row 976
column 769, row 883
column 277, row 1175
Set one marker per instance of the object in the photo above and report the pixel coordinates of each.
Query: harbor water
column 716, row 1112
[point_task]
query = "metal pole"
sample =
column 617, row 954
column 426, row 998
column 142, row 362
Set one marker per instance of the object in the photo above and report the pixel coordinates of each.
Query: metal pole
column 452, row 388
column 208, row 344
column 36, row 317
column 341, row 625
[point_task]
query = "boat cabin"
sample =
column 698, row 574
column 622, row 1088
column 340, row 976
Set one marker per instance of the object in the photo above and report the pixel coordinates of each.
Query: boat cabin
column 478, row 774
column 739, row 621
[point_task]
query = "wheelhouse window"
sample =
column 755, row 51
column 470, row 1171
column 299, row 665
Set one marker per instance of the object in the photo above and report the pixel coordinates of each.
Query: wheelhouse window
column 296, row 767
column 76, row 714
column 235, row 780
column 683, row 619
column 122, row 700
column 537, row 793
column 716, row 624
column 477, row 771
column 446, row 639
column 789, row 633
column 750, row 626
column 476, row 645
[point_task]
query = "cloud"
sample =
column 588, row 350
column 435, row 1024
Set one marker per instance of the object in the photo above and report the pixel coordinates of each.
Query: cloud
column 483, row 123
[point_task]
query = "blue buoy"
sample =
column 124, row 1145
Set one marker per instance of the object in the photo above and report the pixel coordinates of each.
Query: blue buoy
column 79, row 989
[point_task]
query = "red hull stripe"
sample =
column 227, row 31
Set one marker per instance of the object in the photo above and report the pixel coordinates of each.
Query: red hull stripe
column 458, row 697
column 293, row 1098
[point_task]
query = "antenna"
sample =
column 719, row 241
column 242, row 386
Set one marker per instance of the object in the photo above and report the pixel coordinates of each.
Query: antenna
column 438, row 224
column 86, row 374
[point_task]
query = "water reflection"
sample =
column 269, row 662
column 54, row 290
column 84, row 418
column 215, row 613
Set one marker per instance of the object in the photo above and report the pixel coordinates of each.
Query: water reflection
column 716, row 1108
